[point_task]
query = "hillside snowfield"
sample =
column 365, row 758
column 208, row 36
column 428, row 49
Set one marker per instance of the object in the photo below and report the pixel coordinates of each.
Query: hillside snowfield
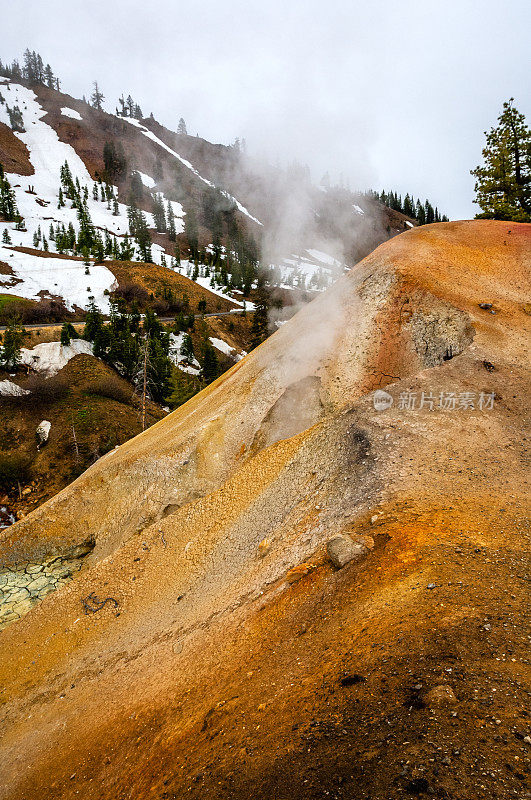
column 36, row 276
column 69, row 112
column 37, row 198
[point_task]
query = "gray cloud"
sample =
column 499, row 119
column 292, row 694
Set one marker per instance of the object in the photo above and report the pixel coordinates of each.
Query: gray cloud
column 394, row 95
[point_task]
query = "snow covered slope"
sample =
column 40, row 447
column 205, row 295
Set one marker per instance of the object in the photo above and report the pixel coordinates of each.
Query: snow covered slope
column 37, row 200
column 185, row 163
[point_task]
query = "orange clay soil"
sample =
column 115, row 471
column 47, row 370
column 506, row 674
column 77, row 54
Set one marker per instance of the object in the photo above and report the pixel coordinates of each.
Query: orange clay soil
column 238, row 663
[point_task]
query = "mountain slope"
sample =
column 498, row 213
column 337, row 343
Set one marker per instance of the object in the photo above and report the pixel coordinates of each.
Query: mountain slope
column 238, row 662
column 223, row 207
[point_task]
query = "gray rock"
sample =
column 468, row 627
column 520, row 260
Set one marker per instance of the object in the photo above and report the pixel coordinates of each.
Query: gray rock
column 342, row 549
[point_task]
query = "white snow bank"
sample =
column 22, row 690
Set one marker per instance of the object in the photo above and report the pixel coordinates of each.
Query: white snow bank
column 409, row 224
column 50, row 357
column 146, row 180
column 358, row 209
column 222, row 346
column 10, row 389
column 69, row 112
column 57, row 276
column 176, row 341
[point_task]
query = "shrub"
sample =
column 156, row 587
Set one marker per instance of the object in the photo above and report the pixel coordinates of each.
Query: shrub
column 112, row 387
column 46, row 389
column 130, row 292
column 13, row 468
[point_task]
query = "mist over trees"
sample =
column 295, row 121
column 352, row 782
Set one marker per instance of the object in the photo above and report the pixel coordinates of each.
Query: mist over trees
column 33, row 70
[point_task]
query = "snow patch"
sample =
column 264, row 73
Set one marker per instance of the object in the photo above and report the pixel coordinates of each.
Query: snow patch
column 42, row 432
column 146, row 180
column 222, row 346
column 409, row 224
column 176, row 341
column 357, row 209
column 50, row 357
column 10, row 389
column 69, row 112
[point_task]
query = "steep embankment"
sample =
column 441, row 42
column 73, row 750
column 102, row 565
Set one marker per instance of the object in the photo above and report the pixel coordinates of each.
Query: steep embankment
column 237, row 661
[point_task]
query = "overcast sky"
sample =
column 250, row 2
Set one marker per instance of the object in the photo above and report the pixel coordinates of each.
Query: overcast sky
column 390, row 94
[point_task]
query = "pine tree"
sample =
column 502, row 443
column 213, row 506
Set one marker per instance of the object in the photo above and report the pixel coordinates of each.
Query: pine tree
column 8, row 203
column 181, row 127
column 183, row 387
column 191, row 232
column 93, row 322
column 259, row 327
column 503, row 183
column 68, row 332
column 170, row 223
column 210, row 368
column 136, row 189
column 97, row 97
column 6, row 239
column 187, row 349
column 49, row 77
column 159, row 215
column 12, row 345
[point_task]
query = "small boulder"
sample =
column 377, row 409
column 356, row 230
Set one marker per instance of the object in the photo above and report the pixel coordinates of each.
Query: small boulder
column 440, row 696
column 298, row 572
column 342, row 549
column 42, row 432
column 264, row 547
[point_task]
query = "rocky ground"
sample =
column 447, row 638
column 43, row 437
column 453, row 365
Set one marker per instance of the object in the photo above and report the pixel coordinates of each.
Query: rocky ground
column 233, row 658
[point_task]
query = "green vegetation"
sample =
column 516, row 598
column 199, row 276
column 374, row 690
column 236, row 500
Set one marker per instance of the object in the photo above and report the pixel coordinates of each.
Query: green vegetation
column 14, row 469
column 138, row 351
column 8, row 203
column 11, row 345
column 424, row 213
column 503, row 182
column 68, row 332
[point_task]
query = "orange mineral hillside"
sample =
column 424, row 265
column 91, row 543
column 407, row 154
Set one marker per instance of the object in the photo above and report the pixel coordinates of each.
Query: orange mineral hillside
column 311, row 580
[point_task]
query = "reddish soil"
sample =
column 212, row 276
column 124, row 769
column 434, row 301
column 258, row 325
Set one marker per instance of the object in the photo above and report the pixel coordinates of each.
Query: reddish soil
column 14, row 155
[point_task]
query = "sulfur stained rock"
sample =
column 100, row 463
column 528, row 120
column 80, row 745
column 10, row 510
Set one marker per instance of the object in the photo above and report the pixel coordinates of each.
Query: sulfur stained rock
column 298, row 572
column 264, row 547
column 342, row 549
